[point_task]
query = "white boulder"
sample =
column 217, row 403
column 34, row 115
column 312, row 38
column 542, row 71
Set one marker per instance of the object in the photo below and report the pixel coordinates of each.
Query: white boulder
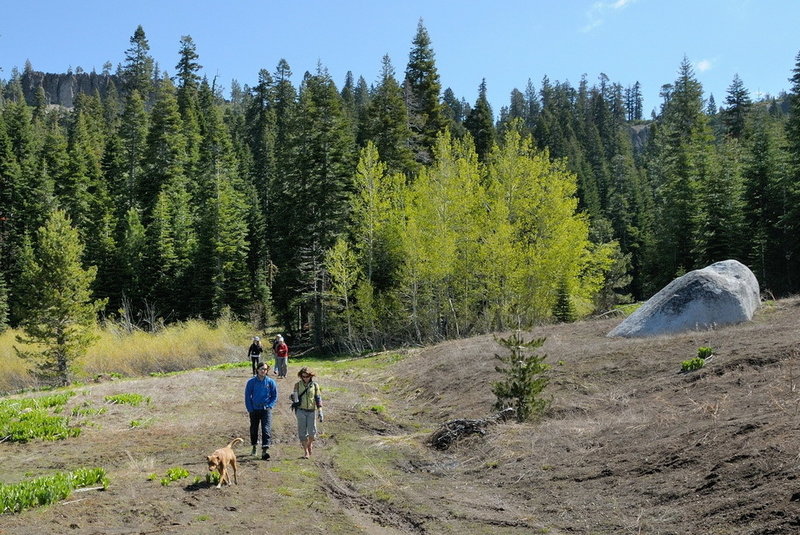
column 723, row 293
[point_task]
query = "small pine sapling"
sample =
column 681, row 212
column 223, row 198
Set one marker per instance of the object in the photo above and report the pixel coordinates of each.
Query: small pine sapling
column 524, row 378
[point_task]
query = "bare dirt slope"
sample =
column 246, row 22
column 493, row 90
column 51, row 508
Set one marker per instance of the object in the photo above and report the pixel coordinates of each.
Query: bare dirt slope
column 630, row 445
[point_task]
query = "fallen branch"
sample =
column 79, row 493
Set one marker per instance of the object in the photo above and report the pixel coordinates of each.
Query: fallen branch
column 455, row 430
column 87, row 489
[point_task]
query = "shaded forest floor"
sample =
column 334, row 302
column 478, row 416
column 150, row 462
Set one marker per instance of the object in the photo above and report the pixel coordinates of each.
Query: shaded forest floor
column 630, row 444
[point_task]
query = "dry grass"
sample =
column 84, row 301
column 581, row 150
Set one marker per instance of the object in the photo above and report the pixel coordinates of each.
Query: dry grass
column 181, row 346
column 15, row 374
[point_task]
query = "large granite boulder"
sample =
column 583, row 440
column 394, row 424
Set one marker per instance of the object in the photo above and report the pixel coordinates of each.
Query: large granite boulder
column 722, row 293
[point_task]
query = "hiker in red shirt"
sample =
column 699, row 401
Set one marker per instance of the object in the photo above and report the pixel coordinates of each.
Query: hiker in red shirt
column 281, row 356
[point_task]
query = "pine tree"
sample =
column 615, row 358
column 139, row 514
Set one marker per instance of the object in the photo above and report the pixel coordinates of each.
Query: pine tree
column 790, row 222
column 454, row 112
column 564, row 310
column 165, row 154
column 737, row 109
column 720, row 204
column 57, row 309
column 187, row 97
column 480, row 124
column 524, row 378
column 138, row 72
column 422, row 99
column 132, row 261
column 683, row 159
column 133, row 146
column 387, row 123
column 26, row 188
column 766, row 171
column 223, row 249
column 318, row 179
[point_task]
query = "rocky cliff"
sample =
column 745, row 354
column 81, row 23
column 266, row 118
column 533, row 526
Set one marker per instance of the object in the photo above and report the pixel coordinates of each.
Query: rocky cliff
column 639, row 134
column 61, row 89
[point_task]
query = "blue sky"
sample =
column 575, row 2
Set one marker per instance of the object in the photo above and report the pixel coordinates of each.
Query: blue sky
column 506, row 42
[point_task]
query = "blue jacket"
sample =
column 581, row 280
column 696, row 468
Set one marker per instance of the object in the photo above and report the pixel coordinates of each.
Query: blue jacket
column 260, row 394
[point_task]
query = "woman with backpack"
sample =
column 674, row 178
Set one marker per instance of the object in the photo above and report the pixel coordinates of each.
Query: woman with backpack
column 306, row 401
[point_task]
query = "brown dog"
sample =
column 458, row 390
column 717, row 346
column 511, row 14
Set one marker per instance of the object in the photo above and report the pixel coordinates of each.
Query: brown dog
column 219, row 461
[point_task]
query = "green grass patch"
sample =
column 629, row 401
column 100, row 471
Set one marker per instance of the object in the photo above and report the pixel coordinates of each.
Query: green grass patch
column 349, row 363
column 628, row 309
column 166, row 374
column 284, row 491
column 87, row 411
column 48, row 489
column 358, row 464
column 139, row 423
column 128, row 399
column 228, row 366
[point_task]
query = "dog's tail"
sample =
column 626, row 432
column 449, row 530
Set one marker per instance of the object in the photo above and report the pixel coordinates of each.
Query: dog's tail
column 234, row 441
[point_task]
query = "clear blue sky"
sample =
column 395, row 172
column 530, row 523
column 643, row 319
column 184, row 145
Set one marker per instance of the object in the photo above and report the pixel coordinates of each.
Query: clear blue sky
column 506, row 42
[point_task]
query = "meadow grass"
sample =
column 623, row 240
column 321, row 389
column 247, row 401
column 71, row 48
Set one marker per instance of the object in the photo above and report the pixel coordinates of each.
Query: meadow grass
column 180, row 346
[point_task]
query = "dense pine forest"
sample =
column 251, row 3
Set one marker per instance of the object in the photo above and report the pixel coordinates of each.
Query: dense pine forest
column 390, row 211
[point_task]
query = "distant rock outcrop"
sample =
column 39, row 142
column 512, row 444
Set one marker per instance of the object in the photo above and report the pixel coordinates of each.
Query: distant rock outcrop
column 61, row 89
column 722, row 293
column 639, row 133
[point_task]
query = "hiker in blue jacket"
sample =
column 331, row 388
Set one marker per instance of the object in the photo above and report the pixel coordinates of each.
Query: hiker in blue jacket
column 260, row 395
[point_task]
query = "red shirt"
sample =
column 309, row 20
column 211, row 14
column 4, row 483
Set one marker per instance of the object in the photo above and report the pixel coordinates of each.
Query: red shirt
column 282, row 351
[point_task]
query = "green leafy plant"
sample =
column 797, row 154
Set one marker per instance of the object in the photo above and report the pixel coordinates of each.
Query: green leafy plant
column 705, row 352
column 26, row 419
column 524, row 379
column 48, row 489
column 174, row 474
column 128, row 399
column 692, row 364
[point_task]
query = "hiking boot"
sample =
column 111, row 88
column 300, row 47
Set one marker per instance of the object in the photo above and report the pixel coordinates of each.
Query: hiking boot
column 264, row 455
column 253, row 451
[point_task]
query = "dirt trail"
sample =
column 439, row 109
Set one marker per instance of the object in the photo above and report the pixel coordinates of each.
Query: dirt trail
column 630, row 445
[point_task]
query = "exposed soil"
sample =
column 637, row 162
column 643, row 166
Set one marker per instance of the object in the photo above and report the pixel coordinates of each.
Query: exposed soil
column 630, row 445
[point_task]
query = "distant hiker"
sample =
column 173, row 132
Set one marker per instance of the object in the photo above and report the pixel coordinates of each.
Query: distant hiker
column 281, row 356
column 306, row 401
column 254, row 352
column 260, row 395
